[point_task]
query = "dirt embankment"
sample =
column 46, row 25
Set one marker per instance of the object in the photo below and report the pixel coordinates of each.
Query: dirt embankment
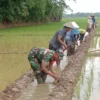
column 63, row 89
column 7, row 25
column 15, row 89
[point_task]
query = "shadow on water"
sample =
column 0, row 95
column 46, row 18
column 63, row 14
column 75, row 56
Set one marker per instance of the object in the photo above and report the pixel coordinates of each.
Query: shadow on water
column 36, row 91
column 88, row 86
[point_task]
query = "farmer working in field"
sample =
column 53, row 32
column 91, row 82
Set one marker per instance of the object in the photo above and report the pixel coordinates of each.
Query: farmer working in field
column 41, row 60
column 71, row 40
column 58, row 39
column 81, row 34
column 90, row 23
column 94, row 20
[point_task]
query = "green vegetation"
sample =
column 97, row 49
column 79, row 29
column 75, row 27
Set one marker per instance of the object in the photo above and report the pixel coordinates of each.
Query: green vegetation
column 20, row 40
column 28, row 36
column 84, row 85
column 42, row 29
column 81, row 14
column 31, row 10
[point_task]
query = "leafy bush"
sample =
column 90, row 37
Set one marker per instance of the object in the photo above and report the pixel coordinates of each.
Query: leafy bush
column 31, row 10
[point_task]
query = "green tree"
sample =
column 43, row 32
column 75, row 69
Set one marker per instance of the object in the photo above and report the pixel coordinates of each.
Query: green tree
column 31, row 10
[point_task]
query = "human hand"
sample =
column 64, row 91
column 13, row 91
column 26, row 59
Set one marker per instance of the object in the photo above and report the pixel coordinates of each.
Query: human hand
column 56, row 77
column 57, row 80
column 54, row 72
column 65, row 46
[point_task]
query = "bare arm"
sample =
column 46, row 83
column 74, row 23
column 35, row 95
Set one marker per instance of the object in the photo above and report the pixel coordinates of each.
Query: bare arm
column 43, row 67
column 60, row 41
column 51, row 69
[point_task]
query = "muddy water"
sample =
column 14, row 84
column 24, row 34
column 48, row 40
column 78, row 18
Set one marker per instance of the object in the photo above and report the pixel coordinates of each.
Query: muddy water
column 13, row 56
column 36, row 91
column 88, row 86
column 10, row 69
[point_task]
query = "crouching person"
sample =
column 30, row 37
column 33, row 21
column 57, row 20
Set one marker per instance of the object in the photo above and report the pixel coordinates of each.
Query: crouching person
column 81, row 34
column 41, row 60
column 71, row 41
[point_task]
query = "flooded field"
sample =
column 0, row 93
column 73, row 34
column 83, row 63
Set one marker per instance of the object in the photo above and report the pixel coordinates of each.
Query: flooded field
column 14, row 63
column 88, row 86
column 14, row 45
column 17, row 44
column 13, row 56
column 11, row 69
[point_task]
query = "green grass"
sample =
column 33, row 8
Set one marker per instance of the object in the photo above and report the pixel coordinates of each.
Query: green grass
column 22, row 39
column 42, row 29
column 84, row 86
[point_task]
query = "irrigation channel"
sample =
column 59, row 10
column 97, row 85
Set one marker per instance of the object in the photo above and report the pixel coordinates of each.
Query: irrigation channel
column 88, row 86
column 36, row 91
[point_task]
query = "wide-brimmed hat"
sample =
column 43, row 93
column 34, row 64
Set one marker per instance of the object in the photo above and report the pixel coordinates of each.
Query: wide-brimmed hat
column 60, row 53
column 71, row 25
column 92, row 15
column 89, row 17
column 76, row 26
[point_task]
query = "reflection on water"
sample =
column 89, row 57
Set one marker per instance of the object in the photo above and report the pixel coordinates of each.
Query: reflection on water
column 95, row 93
column 88, row 86
column 36, row 91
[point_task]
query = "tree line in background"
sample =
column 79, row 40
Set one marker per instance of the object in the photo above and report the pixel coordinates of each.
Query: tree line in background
column 31, row 10
column 79, row 14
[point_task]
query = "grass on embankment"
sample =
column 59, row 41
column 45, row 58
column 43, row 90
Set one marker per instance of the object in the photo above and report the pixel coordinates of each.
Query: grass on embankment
column 17, row 39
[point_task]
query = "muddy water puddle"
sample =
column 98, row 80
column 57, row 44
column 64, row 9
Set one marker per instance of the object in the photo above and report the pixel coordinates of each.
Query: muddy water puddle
column 88, row 86
column 36, row 91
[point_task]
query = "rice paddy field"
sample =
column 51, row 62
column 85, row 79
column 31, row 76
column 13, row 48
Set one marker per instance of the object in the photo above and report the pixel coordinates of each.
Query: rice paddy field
column 88, row 85
column 16, row 42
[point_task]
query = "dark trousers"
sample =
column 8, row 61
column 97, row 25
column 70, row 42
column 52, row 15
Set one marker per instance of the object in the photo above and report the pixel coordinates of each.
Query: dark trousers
column 81, row 36
column 52, row 48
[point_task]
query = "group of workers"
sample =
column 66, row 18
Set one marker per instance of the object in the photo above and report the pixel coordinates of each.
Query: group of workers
column 42, row 59
column 91, row 23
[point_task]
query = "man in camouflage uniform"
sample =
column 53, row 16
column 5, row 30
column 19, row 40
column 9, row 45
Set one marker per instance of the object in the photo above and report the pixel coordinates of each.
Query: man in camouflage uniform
column 40, row 59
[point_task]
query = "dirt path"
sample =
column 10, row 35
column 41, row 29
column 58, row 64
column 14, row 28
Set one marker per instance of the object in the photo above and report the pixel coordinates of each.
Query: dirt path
column 63, row 89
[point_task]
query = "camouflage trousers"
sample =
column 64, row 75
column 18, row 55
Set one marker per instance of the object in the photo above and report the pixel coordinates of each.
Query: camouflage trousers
column 38, row 73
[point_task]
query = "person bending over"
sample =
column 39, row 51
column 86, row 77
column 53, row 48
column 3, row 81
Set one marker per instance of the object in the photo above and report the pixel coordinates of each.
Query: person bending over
column 57, row 40
column 41, row 61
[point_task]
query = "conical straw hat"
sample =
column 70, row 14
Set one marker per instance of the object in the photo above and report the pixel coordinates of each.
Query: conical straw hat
column 75, row 24
column 69, row 24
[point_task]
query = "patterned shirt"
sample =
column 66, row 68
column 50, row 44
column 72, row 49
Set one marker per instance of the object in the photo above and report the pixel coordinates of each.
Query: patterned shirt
column 41, row 54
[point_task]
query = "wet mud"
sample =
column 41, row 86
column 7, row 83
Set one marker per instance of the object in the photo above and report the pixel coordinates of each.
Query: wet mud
column 64, row 89
column 14, row 90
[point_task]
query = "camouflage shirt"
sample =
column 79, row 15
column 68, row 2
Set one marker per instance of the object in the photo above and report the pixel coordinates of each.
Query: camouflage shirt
column 41, row 54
